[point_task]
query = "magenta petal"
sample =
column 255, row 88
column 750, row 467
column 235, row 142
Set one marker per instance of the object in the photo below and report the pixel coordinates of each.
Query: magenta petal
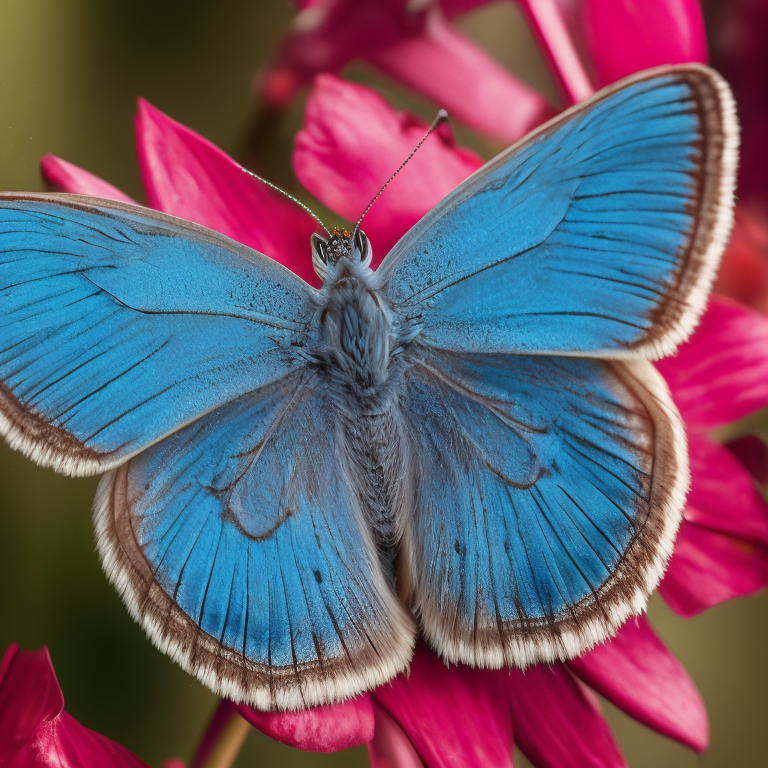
column 35, row 732
column 62, row 176
column 458, row 76
column 625, row 36
column 454, row 717
column 721, row 373
column 319, row 729
column 637, row 673
column 327, row 35
column 187, row 176
column 554, row 38
column 344, row 166
column 390, row 747
column 557, row 722
column 709, row 567
column 723, row 495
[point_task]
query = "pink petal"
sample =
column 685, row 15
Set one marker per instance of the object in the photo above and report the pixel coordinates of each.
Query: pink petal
column 319, row 729
column 390, row 747
column 187, row 176
column 721, row 373
column 326, row 36
column 35, row 732
column 637, row 673
column 454, row 717
column 174, row 762
column 62, row 176
column 723, row 495
column 557, row 722
column 743, row 273
column 752, row 452
column 550, row 28
column 625, row 36
column 351, row 143
column 446, row 67
column 709, row 567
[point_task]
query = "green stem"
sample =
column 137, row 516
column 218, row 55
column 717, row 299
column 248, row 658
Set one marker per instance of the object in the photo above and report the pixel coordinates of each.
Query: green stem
column 223, row 739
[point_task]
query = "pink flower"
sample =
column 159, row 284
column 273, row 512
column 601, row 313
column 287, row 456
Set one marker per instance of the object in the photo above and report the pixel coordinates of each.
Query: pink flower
column 416, row 44
column 36, row 732
column 413, row 43
column 719, row 375
column 437, row 715
column 460, row 716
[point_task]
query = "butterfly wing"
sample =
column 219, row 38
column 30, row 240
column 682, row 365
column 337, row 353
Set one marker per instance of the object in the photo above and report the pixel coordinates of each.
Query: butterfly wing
column 548, row 492
column 120, row 324
column 598, row 234
column 239, row 543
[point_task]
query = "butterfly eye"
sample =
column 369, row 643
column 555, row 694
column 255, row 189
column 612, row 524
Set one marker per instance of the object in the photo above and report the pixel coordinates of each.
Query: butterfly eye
column 320, row 247
column 362, row 244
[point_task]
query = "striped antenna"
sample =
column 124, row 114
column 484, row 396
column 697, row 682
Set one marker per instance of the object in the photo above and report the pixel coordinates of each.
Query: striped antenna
column 442, row 116
column 289, row 196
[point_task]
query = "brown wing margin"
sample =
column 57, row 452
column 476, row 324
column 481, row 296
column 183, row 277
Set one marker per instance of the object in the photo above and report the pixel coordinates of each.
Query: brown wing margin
column 713, row 208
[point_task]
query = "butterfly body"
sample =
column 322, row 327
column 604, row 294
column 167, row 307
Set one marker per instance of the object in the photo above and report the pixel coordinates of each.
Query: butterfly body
column 360, row 357
column 469, row 443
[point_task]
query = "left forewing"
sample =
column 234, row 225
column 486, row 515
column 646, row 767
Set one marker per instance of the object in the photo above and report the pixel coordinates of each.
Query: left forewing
column 120, row 325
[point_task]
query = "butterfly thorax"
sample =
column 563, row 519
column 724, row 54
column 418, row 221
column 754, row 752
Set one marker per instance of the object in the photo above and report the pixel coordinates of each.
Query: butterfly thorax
column 354, row 325
column 355, row 330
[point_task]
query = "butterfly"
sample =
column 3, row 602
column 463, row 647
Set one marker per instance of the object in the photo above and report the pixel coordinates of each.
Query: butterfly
column 469, row 443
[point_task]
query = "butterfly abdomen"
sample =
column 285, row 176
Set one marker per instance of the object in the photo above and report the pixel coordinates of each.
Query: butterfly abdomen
column 374, row 460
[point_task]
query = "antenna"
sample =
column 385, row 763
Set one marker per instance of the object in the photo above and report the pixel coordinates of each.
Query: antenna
column 442, row 116
column 289, row 196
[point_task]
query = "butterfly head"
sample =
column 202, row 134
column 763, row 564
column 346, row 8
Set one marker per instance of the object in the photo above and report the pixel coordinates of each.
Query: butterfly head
column 342, row 244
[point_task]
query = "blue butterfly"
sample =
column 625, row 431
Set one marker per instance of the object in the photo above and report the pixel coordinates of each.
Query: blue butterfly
column 469, row 443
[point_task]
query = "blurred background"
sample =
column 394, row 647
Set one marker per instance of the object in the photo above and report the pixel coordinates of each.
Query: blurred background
column 70, row 74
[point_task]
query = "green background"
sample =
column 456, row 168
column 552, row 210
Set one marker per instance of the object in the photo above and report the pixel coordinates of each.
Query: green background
column 70, row 73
